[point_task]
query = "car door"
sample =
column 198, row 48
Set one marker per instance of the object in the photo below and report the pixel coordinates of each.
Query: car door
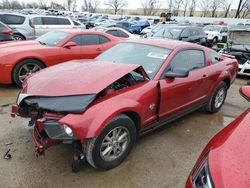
column 182, row 94
column 74, row 52
column 92, row 46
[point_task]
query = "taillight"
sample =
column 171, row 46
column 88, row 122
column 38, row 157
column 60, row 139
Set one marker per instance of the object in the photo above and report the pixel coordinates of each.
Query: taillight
column 7, row 32
column 31, row 24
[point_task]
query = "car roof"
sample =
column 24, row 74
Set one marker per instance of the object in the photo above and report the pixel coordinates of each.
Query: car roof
column 75, row 31
column 166, row 43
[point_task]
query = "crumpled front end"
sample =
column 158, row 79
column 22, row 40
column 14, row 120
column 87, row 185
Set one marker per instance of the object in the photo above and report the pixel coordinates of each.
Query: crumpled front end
column 45, row 113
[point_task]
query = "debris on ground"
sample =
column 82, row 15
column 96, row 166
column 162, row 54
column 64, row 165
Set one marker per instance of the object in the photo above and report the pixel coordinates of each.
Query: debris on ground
column 8, row 143
column 7, row 155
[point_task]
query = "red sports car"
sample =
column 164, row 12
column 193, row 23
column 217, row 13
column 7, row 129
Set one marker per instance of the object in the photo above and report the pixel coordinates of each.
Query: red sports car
column 22, row 58
column 129, row 90
column 225, row 162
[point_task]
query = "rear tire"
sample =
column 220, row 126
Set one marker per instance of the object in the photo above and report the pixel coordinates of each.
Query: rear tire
column 18, row 37
column 218, row 98
column 113, row 144
column 24, row 69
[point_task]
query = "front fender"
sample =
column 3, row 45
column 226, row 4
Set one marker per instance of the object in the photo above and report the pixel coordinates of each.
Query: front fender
column 90, row 123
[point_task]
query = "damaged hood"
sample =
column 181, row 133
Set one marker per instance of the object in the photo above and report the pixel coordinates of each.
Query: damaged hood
column 72, row 86
column 75, row 78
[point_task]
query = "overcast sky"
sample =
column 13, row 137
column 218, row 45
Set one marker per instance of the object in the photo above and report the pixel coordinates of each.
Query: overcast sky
column 132, row 4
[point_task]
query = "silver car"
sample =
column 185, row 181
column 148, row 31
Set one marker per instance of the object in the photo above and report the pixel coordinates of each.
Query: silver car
column 24, row 29
column 44, row 24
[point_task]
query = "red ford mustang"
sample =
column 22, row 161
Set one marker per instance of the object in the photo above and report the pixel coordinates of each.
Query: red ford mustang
column 225, row 160
column 129, row 90
column 20, row 59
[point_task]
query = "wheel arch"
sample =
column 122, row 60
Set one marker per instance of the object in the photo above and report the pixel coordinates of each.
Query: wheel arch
column 23, row 59
column 20, row 34
column 227, row 81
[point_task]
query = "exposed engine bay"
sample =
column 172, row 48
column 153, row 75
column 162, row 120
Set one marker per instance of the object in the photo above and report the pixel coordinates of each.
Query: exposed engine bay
column 128, row 80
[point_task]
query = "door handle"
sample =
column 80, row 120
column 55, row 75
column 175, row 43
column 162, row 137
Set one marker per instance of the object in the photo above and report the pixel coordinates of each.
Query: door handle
column 204, row 75
column 99, row 49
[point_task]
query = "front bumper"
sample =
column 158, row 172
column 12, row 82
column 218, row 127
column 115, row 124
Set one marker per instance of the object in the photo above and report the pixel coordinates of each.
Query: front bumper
column 5, row 73
column 42, row 142
column 46, row 132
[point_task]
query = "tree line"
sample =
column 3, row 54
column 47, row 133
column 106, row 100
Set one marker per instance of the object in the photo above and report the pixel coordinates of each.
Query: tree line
column 208, row 8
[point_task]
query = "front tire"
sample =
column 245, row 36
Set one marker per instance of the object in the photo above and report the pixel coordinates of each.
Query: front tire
column 113, row 144
column 218, row 98
column 24, row 69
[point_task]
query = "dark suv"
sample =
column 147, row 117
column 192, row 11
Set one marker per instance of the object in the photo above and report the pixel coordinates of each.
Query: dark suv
column 5, row 33
column 185, row 33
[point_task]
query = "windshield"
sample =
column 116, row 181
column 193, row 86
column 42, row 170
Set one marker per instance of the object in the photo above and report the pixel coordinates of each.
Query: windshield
column 171, row 33
column 52, row 38
column 149, row 57
column 212, row 28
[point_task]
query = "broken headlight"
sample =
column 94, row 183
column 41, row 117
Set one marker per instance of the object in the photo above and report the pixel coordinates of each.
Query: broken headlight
column 68, row 130
column 201, row 177
column 58, row 131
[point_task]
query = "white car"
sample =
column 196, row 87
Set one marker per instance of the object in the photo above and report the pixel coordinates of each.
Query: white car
column 118, row 32
column 44, row 24
column 216, row 33
column 239, row 47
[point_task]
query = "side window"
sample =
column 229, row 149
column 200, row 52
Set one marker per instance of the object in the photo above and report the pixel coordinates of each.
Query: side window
column 113, row 32
column 103, row 39
column 49, row 21
column 194, row 32
column 215, row 58
column 226, row 29
column 90, row 39
column 13, row 19
column 37, row 21
column 123, row 34
column 63, row 21
column 190, row 59
column 77, row 39
column 185, row 33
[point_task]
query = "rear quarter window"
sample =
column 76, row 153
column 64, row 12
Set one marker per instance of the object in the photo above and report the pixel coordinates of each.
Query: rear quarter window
column 215, row 58
column 12, row 19
column 103, row 39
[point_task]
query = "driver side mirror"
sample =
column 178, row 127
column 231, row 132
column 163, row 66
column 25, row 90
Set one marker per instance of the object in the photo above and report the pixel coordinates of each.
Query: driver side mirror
column 69, row 45
column 245, row 91
column 177, row 73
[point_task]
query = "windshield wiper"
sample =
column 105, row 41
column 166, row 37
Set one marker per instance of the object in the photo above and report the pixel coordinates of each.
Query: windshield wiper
column 42, row 43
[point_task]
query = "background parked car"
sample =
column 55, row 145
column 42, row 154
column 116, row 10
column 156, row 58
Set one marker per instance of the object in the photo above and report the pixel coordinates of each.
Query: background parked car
column 51, row 48
column 44, row 24
column 132, row 27
column 185, row 33
column 216, row 33
column 21, row 23
column 120, row 32
column 238, row 45
column 6, row 33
